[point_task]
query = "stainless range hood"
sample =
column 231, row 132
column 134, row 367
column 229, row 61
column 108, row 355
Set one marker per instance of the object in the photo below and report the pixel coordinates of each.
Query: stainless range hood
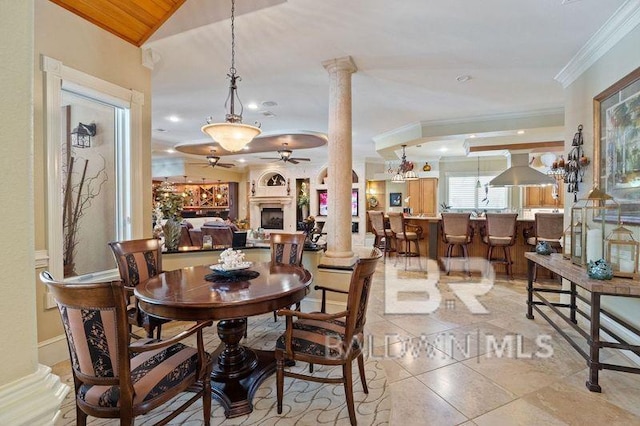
column 520, row 174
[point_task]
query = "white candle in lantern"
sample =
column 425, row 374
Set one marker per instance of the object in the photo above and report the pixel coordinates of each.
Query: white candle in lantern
column 626, row 265
column 594, row 245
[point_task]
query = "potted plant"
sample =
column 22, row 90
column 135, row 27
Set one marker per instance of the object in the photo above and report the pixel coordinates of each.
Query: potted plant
column 303, row 200
column 169, row 206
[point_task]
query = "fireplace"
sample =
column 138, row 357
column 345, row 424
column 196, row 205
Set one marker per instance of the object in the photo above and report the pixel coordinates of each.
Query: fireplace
column 272, row 218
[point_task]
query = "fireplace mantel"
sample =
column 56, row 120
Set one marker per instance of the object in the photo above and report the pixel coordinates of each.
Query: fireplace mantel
column 268, row 199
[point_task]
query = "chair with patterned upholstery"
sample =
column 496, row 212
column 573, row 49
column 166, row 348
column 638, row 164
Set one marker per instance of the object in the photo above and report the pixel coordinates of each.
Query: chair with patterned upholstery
column 114, row 378
column 139, row 260
column 501, row 232
column 329, row 339
column 287, row 249
column 404, row 234
column 457, row 232
column 546, row 227
column 383, row 236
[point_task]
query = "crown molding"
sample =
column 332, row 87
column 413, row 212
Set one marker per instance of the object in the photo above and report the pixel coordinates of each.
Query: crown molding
column 625, row 19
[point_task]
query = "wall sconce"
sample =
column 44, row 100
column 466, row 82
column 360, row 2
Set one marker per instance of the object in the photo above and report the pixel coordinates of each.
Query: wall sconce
column 81, row 135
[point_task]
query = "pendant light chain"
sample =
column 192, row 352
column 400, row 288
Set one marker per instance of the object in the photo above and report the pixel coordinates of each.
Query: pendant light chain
column 232, row 70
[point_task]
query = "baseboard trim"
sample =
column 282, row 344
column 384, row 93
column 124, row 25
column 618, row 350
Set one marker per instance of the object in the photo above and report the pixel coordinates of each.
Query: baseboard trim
column 33, row 400
column 53, row 351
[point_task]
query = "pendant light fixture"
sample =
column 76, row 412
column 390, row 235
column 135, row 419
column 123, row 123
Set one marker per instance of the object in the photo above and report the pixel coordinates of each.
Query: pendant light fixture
column 232, row 135
column 478, row 184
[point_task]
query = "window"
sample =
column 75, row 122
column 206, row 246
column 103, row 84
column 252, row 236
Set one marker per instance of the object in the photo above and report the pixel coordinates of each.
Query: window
column 72, row 97
column 463, row 193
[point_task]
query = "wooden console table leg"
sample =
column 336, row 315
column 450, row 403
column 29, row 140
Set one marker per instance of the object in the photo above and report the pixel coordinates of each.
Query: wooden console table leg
column 573, row 303
column 594, row 345
column 530, row 269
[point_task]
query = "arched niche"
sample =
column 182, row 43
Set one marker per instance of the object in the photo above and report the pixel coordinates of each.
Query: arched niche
column 322, row 177
column 271, row 179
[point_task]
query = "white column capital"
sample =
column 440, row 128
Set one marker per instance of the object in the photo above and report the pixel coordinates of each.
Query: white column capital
column 340, row 64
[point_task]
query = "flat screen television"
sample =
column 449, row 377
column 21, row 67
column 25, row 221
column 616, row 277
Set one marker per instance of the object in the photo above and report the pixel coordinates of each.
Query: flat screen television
column 324, row 205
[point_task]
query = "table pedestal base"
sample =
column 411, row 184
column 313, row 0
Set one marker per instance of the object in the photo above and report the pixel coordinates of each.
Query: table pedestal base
column 238, row 371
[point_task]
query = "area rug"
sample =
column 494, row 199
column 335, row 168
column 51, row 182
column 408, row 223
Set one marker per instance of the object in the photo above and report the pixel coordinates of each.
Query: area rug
column 305, row 403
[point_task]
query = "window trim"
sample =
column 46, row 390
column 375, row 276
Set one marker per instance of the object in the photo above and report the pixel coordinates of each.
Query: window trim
column 58, row 77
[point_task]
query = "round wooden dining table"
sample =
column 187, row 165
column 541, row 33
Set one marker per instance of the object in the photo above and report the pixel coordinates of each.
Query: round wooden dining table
column 186, row 295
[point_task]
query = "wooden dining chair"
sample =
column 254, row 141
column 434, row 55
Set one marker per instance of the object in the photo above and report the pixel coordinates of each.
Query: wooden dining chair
column 287, row 249
column 114, row 378
column 139, row 260
column 329, row 339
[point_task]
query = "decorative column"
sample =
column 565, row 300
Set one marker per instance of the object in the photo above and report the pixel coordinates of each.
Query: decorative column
column 339, row 251
column 29, row 393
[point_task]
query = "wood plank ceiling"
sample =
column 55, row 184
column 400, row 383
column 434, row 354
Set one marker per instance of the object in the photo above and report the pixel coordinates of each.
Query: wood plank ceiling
column 132, row 20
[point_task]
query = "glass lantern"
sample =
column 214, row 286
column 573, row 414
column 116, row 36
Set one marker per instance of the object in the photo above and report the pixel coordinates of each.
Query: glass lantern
column 590, row 216
column 566, row 239
column 622, row 252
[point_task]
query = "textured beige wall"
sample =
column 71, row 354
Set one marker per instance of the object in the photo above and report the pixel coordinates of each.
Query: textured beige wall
column 18, row 330
column 87, row 48
column 615, row 64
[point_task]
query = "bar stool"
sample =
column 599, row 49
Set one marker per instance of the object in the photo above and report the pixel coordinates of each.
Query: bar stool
column 501, row 232
column 457, row 232
column 546, row 227
column 383, row 236
column 407, row 234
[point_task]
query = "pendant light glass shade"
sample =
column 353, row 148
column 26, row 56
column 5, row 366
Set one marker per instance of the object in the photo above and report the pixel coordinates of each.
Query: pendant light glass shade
column 231, row 136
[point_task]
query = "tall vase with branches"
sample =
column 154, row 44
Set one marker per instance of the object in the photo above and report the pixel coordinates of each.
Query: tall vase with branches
column 79, row 191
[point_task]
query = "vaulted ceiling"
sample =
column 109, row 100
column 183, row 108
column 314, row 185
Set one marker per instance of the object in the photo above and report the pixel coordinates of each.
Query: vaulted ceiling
column 133, row 21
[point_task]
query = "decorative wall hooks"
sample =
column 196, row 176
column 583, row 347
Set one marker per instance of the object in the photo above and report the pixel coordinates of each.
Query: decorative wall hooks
column 574, row 167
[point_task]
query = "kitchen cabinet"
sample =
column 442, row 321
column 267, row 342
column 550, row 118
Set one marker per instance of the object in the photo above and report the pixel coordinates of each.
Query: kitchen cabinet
column 542, row 196
column 423, row 195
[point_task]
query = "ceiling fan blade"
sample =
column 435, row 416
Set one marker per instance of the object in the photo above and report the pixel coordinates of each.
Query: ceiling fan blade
column 300, row 159
column 292, row 161
column 270, row 158
column 226, row 165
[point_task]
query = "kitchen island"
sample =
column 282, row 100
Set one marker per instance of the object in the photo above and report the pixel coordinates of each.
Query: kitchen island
column 434, row 246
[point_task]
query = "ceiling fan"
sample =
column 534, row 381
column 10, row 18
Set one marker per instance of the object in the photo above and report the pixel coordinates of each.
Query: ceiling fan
column 285, row 155
column 214, row 161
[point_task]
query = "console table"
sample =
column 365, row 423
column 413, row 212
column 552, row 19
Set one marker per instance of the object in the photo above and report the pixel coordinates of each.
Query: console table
column 596, row 288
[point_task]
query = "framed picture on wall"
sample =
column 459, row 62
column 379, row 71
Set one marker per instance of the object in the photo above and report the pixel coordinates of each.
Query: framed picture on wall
column 617, row 144
column 395, row 199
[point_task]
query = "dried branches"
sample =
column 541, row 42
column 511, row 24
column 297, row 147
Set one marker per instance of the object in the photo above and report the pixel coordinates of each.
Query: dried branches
column 78, row 196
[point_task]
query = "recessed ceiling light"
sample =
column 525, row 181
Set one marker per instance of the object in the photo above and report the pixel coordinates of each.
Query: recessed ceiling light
column 472, row 136
column 252, row 105
column 462, row 78
column 444, row 149
column 170, row 151
column 242, row 160
column 246, row 148
column 520, row 132
column 173, row 118
column 269, row 104
column 268, row 114
column 160, row 130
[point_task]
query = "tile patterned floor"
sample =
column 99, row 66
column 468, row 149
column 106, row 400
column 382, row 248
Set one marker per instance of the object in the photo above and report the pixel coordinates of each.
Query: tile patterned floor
column 453, row 367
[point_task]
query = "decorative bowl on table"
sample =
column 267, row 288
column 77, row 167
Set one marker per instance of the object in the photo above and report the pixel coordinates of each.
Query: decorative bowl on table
column 223, row 267
column 599, row 270
column 544, row 248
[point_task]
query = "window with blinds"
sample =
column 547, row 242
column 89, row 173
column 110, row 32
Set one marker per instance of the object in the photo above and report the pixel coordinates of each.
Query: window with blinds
column 463, row 193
